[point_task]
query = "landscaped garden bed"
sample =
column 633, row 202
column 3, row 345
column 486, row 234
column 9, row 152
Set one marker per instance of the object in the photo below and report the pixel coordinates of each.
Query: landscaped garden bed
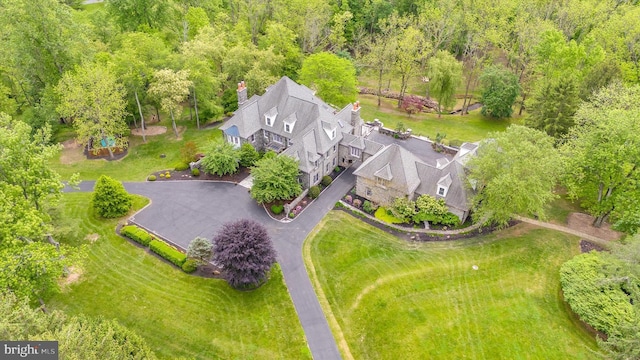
column 189, row 175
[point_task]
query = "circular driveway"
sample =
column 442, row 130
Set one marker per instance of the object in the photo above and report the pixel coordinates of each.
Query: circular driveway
column 181, row 210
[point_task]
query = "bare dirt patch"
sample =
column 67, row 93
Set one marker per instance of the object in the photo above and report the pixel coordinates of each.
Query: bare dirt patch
column 582, row 222
column 150, row 130
column 92, row 237
column 71, row 152
column 74, row 276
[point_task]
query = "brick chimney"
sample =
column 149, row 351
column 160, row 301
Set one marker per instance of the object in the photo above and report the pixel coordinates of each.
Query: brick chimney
column 356, row 121
column 242, row 93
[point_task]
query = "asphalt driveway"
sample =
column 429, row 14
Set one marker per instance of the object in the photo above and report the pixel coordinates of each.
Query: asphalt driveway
column 181, row 210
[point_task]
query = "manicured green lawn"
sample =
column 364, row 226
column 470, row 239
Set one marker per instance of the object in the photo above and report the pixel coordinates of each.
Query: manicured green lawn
column 178, row 314
column 399, row 300
column 558, row 210
column 382, row 214
column 142, row 159
column 472, row 127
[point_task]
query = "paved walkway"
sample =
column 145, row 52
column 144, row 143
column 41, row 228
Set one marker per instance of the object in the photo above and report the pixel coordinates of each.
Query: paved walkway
column 182, row 210
column 564, row 229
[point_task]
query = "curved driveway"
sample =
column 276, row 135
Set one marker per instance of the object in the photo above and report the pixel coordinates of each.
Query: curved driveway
column 182, row 210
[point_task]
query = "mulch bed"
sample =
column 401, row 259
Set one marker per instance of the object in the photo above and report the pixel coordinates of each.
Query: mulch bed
column 206, row 271
column 586, row 246
column 118, row 153
column 186, row 175
column 416, row 236
column 303, row 203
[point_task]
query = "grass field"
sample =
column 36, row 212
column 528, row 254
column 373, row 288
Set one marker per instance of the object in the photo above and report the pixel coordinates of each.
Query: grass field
column 399, row 300
column 178, row 314
column 471, row 127
column 142, row 159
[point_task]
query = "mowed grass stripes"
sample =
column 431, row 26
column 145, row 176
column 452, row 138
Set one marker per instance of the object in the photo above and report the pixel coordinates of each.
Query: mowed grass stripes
column 400, row 300
column 178, row 314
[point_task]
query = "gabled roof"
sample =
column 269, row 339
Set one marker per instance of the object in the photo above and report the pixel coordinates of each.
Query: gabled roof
column 290, row 103
column 402, row 171
column 384, row 173
column 370, row 147
column 451, row 176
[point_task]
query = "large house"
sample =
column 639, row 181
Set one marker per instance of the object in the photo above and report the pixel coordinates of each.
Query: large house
column 290, row 120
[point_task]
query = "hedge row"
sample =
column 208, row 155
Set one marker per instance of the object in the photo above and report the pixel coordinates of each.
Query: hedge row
column 166, row 251
column 136, row 234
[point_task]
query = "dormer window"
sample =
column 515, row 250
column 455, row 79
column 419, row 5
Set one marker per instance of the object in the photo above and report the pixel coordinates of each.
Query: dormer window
column 269, row 121
column 442, row 191
column 287, row 128
column 355, row 151
column 333, row 134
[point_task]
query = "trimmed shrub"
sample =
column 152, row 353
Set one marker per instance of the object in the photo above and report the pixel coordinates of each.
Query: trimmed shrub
column 357, row 203
column 248, row 155
column 162, row 175
column 190, row 266
column 136, row 234
column 277, row 209
column 326, row 180
column 298, row 208
column 195, row 172
column 337, row 169
column 314, row 191
column 182, row 166
column 168, row 252
column 189, row 152
column 292, row 214
column 110, row 199
column 151, row 178
column 348, row 199
column 167, row 176
column 368, row 207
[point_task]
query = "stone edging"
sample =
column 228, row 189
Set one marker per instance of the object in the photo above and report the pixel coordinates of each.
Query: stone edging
column 409, row 230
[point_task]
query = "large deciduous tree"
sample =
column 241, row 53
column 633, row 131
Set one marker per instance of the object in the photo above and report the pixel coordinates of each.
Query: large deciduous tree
column 333, row 77
column 78, row 337
column 275, row 178
column 93, row 98
column 500, row 92
column 170, row 88
column 40, row 41
column 134, row 61
column 133, row 15
column 445, row 74
column 221, row 158
column 245, row 252
column 27, row 183
column 603, row 156
column 514, row 173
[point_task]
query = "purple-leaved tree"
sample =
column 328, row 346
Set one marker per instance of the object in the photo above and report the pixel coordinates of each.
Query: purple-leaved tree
column 245, row 252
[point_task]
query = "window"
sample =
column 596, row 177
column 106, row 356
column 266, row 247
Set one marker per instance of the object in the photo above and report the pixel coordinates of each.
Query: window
column 253, row 138
column 442, row 191
column 315, row 178
column 277, row 138
column 355, row 152
column 287, row 128
column 333, row 134
column 368, row 192
column 381, row 181
column 266, row 136
column 269, row 121
column 326, row 168
column 235, row 140
column 315, row 163
column 334, row 161
column 289, row 142
column 334, row 148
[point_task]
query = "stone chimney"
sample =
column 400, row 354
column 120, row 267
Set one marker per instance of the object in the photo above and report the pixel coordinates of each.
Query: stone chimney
column 242, row 93
column 356, row 121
